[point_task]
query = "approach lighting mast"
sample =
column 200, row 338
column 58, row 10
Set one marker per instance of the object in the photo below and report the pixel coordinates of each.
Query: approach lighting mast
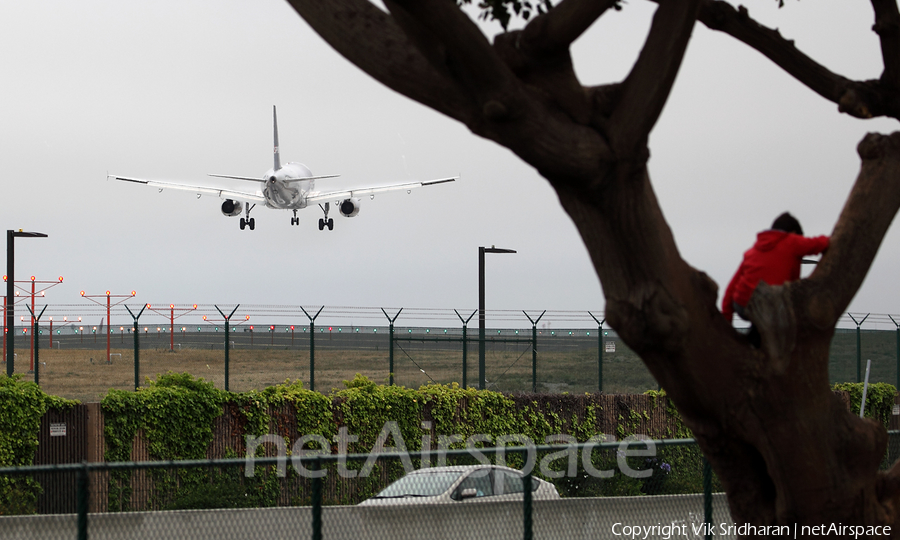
column 33, row 292
column 172, row 317
column 109, row 306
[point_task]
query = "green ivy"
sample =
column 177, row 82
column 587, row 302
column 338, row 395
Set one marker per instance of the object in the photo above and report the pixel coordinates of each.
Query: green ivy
column 22, row 405
column 879, row 399
column 176, row 413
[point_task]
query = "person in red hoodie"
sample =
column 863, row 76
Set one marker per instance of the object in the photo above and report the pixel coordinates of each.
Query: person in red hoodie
column 775, row 259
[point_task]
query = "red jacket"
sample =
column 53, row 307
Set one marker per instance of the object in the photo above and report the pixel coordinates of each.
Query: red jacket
column 774, row 259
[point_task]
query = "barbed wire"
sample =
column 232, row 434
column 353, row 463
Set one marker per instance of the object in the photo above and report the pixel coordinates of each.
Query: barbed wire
column 281, row 314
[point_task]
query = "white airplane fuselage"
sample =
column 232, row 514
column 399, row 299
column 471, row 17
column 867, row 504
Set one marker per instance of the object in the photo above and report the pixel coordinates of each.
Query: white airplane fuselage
column 286, row 188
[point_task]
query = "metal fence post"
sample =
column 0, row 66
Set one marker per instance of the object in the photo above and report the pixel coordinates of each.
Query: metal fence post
column 528, row 509
column 391, row 345
column 897, row 384
column 534, row 350
column 37, row 345
column 82, row 500
column 600, row 346
column 707, row 497
column 227, row 346
column 465, row 342
column 858, row 348
column 312, row 347
column 465, row 359
column 227, row 342
column 36, row 337
column 137, row 346
column 316, row 503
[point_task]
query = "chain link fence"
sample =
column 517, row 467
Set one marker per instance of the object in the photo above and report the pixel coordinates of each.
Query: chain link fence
column 533, row 351
column 310, row 495
column 661, row 488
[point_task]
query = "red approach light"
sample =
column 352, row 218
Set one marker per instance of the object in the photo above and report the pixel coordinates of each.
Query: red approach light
column 171, row 306
column 4, row 278
column 60, row 279
column 204, row 317
column 133, row 293
column 32, row 278
column 292, row 327
column 107, row 293
column 272, row 327
column 82, row 293
column 195, row 306
column 251, row 327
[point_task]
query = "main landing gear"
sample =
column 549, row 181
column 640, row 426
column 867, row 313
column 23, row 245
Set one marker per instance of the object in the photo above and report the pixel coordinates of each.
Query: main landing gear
column 295, row 220
column 326, row 222
column 248, row 221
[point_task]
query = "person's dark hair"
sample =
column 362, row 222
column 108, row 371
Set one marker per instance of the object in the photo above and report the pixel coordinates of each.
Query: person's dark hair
column 787, row 223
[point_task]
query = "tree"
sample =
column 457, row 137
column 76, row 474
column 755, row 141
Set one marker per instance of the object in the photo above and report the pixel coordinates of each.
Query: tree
column 785, row 448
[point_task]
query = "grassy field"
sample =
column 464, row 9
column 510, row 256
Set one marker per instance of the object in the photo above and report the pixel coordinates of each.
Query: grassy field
column 85, row 375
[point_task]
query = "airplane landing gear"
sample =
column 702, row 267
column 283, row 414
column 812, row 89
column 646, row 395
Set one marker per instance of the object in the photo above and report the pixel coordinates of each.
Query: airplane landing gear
column 295, row 220
column 326, row 222
column 248, row 221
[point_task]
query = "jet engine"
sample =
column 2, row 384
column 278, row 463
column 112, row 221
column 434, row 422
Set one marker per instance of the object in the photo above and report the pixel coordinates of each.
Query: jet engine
column 232, row 208
column 349, row 207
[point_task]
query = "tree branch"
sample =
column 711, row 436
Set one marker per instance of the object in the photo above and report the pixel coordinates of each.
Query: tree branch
column 370, row 39
column 864, row 220
column 539, row 54
column 887, row 26
column 468, row 55
column 515, row 110
column 562, row 25
column 647, row 87
column 860, row 99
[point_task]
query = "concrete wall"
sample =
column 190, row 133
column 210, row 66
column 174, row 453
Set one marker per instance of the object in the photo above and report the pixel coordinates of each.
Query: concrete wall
column 564, row 519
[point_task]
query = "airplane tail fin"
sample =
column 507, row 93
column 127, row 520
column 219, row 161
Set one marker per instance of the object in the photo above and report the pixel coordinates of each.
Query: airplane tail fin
column 277, row 156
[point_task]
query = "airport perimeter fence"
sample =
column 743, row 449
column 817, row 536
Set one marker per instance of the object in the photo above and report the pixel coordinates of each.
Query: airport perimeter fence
column 608, row 489
column 520, row 351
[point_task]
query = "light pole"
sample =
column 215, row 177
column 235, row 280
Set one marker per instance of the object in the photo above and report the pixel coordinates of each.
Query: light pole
column 481, row 251
column 10, row 293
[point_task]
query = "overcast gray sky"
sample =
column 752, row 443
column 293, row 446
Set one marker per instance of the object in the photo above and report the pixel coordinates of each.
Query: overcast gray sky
column 173, row 90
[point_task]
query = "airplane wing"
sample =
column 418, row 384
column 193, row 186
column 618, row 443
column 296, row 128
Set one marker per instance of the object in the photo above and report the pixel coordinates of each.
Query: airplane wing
column 360, row 192
column 222, row 193
column 262, row 181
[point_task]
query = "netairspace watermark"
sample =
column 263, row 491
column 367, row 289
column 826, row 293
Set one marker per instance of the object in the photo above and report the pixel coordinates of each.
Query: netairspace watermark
column 698, row 529
column 322, row 446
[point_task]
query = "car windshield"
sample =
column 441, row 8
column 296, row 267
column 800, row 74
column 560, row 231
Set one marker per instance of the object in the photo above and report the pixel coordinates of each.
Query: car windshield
column 420, row 484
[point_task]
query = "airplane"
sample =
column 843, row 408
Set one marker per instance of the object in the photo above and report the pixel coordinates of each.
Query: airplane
column 287, row 187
